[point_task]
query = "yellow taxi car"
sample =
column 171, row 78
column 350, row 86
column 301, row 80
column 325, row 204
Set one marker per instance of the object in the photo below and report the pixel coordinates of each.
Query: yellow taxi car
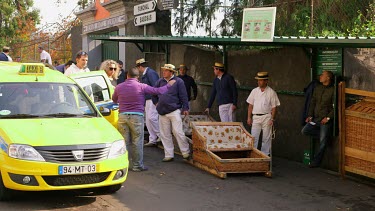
column 52, row 136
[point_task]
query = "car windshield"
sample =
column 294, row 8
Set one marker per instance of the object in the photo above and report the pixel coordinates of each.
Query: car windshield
column 50, row 100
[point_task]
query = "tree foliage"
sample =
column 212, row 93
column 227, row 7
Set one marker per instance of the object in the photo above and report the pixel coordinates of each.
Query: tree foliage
column 15, row 17
column 293, row 18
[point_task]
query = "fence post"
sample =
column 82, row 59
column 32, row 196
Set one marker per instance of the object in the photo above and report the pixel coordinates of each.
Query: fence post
column 182, row 21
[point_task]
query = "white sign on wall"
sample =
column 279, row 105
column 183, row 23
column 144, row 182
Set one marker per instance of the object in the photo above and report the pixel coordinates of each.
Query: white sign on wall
column 145, row 19
column 104, row 24
column 145, row 7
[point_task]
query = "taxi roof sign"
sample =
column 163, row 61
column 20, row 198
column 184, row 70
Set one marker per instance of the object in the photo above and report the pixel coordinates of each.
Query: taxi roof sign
column 31, row 69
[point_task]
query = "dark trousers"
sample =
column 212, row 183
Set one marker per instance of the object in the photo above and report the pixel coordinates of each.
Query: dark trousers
column 321, row 132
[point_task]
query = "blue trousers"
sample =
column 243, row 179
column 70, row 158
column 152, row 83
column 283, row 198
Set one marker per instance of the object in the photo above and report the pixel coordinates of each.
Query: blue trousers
column 321, row 132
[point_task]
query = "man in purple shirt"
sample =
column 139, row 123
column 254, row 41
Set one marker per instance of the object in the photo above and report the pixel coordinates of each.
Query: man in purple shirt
column 130, row 95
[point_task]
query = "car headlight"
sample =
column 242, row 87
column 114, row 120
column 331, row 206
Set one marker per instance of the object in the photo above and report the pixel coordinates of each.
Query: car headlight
column 118, row 148
column 24, row 152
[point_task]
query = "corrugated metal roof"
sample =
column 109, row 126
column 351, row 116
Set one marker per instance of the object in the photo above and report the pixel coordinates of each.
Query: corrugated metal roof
column 355, row 42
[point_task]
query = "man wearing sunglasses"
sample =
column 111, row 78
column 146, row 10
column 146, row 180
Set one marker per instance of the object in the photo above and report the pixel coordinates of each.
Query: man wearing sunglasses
column 81, row 64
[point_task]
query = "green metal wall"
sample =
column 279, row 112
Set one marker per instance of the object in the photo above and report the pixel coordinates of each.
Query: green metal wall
column 110, row 49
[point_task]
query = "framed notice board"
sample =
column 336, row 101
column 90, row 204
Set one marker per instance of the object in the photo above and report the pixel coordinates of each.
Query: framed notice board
column 328, row 59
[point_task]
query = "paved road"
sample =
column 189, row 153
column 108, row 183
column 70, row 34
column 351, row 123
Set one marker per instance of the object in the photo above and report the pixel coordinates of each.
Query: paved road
column 180, row 186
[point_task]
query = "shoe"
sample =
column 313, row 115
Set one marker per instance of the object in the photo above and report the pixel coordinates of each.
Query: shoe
column 313, row 165
column 167, row 159
column 186, row 156
column 150, row 144
column 140, row 169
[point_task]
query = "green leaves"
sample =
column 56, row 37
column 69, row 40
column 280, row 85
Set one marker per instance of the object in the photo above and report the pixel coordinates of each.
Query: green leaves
column 293, row 18
column 14, row 15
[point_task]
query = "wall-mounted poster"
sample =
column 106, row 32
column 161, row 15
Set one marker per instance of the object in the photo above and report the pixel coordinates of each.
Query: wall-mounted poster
column 258, row 24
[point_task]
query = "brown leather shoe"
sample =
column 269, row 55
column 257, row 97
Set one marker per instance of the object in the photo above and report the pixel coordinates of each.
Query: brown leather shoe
column 150, row 144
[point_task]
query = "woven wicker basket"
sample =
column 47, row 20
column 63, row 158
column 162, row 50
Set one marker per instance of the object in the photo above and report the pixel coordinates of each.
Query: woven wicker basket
column 360, row 138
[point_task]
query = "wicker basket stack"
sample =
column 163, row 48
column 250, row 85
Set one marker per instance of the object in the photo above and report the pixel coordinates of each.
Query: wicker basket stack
column 360, row 138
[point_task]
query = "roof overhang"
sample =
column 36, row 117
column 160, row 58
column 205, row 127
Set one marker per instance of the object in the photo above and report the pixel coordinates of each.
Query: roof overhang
column 348, row 42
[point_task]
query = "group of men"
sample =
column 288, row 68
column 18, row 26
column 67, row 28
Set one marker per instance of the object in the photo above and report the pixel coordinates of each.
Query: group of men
column 162, row 101
column 163, row 108
column 45, row 57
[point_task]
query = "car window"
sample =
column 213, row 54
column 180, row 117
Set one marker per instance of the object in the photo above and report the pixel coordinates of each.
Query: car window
column 95, row 87
column 43, row 99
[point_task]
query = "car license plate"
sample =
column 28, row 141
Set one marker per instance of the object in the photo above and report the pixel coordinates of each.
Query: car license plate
column 77, row 169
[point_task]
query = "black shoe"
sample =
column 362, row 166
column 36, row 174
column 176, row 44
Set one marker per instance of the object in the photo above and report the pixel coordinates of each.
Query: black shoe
column 140, row 169
column 150, row 144
column 313, row 165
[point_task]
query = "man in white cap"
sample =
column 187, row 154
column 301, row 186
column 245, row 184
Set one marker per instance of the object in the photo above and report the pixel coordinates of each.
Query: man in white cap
column 170, row 106
column 149, row 77
column 262, row 111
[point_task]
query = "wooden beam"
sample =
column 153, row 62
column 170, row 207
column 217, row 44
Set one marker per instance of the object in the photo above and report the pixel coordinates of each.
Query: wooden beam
column 219, row 174
column 359, row 92
column 360, row 172
column 341, row 102
column 360, row 114
column 363, row 155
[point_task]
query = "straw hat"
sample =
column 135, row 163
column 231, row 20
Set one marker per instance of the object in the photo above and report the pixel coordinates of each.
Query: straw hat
column 140, row 61
column 184, row 66
column 219, row 65
column 169, row 67
column 261, row 75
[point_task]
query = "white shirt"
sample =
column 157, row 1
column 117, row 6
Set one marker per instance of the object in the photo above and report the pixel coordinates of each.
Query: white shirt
column 263, row 102
column 74, row 69
column 144, row 72
column 45, row 55
column 9, row 58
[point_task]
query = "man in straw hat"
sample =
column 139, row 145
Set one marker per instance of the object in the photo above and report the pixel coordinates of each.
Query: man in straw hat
column 149, row 76
column 320, row 116
column 262, row 111
column 189, row 82
column 224, row 89
column 169, row 107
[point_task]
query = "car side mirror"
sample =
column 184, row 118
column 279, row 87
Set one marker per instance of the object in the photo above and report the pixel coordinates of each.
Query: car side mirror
column 104, row 111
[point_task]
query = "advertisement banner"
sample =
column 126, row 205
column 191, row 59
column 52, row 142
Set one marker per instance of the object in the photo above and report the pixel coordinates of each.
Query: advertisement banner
column 258, row 24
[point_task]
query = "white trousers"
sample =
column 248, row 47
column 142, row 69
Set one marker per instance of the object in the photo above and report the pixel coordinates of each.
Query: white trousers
column 152, row 122
column 226, row 113
column 168, row 123
column 261, row 123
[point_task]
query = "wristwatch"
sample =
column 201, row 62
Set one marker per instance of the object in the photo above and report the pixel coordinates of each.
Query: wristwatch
column 328, row 118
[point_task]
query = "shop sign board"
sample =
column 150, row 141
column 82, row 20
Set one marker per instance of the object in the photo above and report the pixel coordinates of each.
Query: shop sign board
column 145, row 19
column 104, row 24
column 144, row 8
column 258, row 24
